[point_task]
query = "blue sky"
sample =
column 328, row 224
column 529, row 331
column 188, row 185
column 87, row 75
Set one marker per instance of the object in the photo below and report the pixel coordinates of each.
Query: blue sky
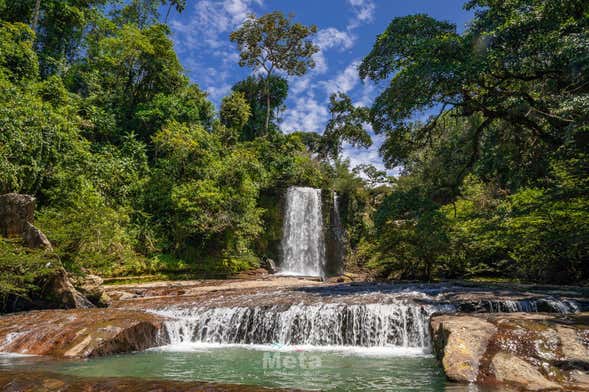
column 346, row 32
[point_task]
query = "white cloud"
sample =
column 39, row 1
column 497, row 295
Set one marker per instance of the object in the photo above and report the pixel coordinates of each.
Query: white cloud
column 307, row 114
column 218, row 92
column 364, row 12
column 330, row 38
column 205, row 36
column 345, row 81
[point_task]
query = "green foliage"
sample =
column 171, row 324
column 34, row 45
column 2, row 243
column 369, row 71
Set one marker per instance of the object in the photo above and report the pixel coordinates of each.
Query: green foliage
column 18, row 60
column 493, row 183
column 273, row 42
column 255, row 90
column 235, row 111
column 135, row 173
column 346, row 125
column 23, row 270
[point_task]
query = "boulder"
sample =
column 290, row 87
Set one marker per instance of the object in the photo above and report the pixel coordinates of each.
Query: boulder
column 63, row 294
column 91, row 286
column 269, row 265
column 35, row 238
column 16, row 211
column 16, row 220
column 80, row 333
column 460, row 344
column 529, row 351
column 508, row 368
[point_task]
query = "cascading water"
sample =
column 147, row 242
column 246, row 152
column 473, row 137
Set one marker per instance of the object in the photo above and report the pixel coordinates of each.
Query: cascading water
column 366, row 325
column 401, row 323
column 303, row 244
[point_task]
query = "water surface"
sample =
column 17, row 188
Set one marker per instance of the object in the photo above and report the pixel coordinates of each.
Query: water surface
column 311, row 368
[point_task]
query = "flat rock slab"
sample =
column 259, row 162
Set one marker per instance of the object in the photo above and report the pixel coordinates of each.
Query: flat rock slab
column 80, row 333
column 46, row 382
column 538, row 352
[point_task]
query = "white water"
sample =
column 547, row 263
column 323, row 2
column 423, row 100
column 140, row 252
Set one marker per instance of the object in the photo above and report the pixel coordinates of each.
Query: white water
column 303, row 243
column 400, row 327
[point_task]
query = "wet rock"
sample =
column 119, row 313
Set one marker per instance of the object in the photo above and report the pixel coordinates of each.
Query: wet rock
column 460, row 344
column 117, row 295
column 269, row 265
column 45, row 382
column 514, row 370
column 525, row 350
column 80, row 332
column 91, row 286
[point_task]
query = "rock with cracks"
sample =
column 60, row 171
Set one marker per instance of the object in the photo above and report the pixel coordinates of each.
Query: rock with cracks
column 80, row 333
column 536, row 352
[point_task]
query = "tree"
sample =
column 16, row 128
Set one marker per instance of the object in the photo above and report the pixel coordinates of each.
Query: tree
column 346, row 125
column 235, row 111
column 60, row 27
column 523, row 63
column 254, row 90
column 273, row 42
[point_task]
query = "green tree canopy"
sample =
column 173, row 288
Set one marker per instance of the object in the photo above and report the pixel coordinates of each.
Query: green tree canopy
column 271, row 43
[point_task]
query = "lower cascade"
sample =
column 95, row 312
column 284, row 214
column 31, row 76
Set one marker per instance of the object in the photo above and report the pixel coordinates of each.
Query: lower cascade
column 366, row 325
column 303, row 242
column 402, row 323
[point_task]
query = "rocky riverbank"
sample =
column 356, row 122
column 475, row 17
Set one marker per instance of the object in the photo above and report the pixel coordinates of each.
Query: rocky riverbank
column 543, row 343
column 531, row 351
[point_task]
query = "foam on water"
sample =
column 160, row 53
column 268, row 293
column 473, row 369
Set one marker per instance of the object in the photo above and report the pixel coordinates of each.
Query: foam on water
column 387, row 351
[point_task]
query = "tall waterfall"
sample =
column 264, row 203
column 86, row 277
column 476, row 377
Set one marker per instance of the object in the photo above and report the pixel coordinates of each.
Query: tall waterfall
column 303, row 243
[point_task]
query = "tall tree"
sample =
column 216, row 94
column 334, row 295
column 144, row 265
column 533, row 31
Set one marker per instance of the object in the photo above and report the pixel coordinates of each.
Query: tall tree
column 254, row 90
column 273, row 42
column 36, row 15
column 346, row 125
column 523, row 63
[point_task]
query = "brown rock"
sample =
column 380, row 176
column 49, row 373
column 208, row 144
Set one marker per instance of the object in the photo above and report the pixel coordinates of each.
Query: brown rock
column 529, row 351
column 16, row 211
column 80, row 332
column 461, row 343
column 514, row 370
column 574, row 346
column 34, row 238
column 91, row 286
column 63, row 292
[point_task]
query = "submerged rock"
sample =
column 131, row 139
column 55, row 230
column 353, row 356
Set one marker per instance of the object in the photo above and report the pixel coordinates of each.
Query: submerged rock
column 45, row 382
column 529, row 351
column 79, row 333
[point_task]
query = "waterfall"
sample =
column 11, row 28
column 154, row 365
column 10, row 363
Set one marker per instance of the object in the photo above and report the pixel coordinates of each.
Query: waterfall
column 401, row 323
column 365, row 325
column 303, row 244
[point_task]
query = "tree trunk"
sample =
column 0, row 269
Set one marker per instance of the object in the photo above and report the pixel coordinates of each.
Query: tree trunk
column 36, row 15
column 267, row 125
column 168, row 13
